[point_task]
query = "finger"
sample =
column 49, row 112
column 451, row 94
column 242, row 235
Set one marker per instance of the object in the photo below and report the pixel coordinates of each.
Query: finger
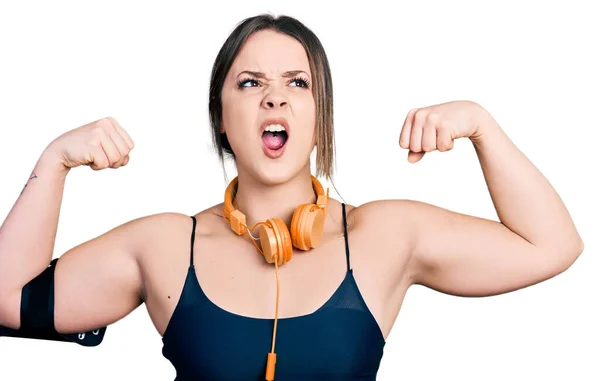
column 416, row 136
column 417, row 130
column 110, row 149
column 122, row 132
column 98, row 159
column 415, row 139
column 119, row 142
column 122, row 155
column 444, row 140
column 413, row 157
column 429, row 140
column 406, row 128
column 420, row 118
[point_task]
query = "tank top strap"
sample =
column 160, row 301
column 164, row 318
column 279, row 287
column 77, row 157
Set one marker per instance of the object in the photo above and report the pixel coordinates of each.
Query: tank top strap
column 192, row 243
column 346, row 237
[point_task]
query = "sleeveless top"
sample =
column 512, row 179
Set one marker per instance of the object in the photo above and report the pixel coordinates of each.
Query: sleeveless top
column 341, row 340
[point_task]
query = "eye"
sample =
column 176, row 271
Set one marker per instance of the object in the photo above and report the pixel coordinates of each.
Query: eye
column 300, row 82
column 244, row 83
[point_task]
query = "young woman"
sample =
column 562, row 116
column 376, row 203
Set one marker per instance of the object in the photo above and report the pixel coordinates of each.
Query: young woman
column 211, row 282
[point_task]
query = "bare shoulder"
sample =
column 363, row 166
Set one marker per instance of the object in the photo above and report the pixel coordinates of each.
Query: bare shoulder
column 396, row 219
column 383, row 228
column 384, row 219
column 401, row 226
column 166, row 228
column 385, row 211
column 165, row 253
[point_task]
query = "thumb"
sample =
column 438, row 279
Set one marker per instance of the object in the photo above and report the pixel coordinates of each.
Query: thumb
column 413, row 157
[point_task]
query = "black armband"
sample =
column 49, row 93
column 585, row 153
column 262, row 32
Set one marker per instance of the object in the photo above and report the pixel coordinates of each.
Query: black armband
column 37, row 314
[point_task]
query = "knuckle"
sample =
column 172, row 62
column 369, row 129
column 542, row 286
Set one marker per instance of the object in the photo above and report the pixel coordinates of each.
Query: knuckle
column 113, row 159
column 122, row 162
column 428, row 147
column 98, row 133
column 433, row 117
column 100, row 164
column 445, row 146
column 98, row 129
column 108, row 123
column 420, row 114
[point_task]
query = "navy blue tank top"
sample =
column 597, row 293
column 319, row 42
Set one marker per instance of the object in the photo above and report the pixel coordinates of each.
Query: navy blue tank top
column 341, row 340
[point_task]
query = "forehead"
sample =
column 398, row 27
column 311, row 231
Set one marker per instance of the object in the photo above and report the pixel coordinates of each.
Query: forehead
column 272, row 53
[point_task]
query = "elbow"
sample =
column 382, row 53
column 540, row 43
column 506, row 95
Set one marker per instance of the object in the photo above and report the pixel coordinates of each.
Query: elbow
column 570, row 254
column 579, row 247
column 578, row 250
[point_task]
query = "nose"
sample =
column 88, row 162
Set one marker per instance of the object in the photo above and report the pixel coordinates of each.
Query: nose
column 274, row 100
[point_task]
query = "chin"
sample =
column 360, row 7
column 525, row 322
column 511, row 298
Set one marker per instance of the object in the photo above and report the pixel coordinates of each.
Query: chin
column 278, row 173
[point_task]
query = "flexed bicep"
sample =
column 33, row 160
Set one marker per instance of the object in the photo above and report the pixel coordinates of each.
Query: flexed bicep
column 89, row 287
column 466, row 255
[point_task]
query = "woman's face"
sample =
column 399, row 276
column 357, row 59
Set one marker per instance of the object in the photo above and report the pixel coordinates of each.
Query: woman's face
column 269, row 86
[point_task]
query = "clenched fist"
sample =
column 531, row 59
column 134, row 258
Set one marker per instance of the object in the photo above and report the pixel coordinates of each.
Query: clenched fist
column 436, row 127
column 100, row 144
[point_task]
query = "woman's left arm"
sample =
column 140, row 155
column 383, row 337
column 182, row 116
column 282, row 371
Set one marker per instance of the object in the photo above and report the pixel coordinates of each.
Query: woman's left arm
column 459, row 254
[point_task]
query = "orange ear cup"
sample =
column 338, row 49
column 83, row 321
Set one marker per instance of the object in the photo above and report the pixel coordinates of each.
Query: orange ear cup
column 275, row 239
column 307, row 226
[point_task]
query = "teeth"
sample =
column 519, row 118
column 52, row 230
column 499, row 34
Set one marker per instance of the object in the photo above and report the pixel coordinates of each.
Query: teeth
column 274, row 128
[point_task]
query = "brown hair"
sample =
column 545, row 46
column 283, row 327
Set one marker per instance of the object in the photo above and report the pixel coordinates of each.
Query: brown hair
column 322, row 88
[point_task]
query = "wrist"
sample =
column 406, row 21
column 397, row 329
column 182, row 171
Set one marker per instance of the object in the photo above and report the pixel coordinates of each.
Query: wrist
column 485, row 126
column 51, row 160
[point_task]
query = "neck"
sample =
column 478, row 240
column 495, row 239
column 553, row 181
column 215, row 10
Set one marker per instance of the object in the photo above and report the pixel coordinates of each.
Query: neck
column 259, row 201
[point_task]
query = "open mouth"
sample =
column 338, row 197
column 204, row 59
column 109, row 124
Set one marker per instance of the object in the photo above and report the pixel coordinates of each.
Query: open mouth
column 274, row 138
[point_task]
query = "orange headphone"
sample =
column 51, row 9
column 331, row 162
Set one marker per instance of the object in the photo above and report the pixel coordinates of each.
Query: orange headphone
column 276, row 240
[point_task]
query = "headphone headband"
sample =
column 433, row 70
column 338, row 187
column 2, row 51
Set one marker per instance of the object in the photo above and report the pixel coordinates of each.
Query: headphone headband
column 238, row 220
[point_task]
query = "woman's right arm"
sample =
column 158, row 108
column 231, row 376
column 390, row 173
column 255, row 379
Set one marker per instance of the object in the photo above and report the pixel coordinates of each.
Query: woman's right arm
column 97, row 282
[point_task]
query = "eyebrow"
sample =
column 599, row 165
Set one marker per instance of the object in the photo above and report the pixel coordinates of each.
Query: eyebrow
column 287, row 74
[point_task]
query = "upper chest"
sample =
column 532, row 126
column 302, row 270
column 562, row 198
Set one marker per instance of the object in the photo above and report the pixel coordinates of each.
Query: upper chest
column 235, row 277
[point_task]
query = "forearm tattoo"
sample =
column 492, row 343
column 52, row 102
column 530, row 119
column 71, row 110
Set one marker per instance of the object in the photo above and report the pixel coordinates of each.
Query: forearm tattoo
column 33, row 176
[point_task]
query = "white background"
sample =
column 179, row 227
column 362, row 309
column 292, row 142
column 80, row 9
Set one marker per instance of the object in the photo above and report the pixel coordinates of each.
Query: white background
column 534, row 66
